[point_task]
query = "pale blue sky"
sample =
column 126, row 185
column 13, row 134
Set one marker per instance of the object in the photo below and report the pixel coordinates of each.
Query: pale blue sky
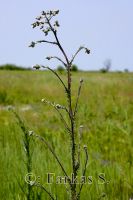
column 104, row 26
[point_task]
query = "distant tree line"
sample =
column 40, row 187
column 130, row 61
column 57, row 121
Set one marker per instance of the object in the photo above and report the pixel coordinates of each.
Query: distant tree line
column 61, row 69
column 12, row 67
column 15, row 67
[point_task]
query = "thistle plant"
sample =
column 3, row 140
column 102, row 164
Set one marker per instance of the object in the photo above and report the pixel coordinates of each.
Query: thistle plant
column 48, row 26
column 27, row 144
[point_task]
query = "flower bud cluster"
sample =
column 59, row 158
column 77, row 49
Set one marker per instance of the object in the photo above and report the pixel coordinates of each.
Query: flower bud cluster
column 44, row 19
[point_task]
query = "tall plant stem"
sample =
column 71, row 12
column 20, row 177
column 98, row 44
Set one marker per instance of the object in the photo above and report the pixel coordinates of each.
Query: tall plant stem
column 73, row 145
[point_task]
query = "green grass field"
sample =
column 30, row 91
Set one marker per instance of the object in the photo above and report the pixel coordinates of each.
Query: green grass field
column 105, row 110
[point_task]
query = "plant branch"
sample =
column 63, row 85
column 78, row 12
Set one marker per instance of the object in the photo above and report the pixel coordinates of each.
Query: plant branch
column 79, row 91
column 54, row 154
column 68, row 66
column 45, row 41
column 79, row 145
column 57, row 107
column 84, row 171
column 54, row 72
column 57, row 40
column 42, row 187
column 62, row 118
column 77, row 52
column 57, row 59
column 79, row 49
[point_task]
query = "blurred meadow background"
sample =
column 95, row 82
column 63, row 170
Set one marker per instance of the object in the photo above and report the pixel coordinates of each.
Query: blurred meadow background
column 106, row 107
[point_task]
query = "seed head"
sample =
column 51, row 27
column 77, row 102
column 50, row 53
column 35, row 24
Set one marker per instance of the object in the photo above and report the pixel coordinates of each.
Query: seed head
column 46, row 31
column 43, row 13
column 37, row 23
column 32, row 44
column 58, row 106
column 32, row 183
column 42, row 100
column 33, row 25
column 56, row 24
column 48, row 58
column 39, row 18
column 81, row 80
column 51, row 12
column 41, row 27
column 80, row 131
column 85, row 147
column 87, row 51
column 31, row 133
column 56, row 12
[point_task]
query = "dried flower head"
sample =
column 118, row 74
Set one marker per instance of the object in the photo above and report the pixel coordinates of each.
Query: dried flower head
column 85, row 147
column 81, row 80
column 31, row 133
column 48, row 57
column 87, row 51
column 41, row 27
column 32, row 44
column 56, row 24
column 58, row 106
column 46, row 31
column 80, row 131
column 43, row 13
column 56, row 12
column 42, row 100
column 10, row 108
column 39, row 18
column 32, row 183
column 33, row 25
